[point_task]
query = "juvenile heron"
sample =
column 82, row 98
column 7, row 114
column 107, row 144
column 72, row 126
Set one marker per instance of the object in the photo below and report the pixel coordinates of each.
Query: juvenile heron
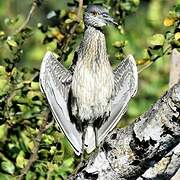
column 88, row 99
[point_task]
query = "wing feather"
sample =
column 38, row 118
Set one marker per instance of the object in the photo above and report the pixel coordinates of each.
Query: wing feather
column 126, row 82
column 54, row 80
column 55, row 84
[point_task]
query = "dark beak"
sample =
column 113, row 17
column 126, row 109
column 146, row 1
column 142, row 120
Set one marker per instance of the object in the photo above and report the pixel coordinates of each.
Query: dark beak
column 110, row 20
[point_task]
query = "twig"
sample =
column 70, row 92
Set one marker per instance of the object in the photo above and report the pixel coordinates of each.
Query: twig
column 33, row 7
column 12, row 92
column 51, row 161
column 72, row 30
column 79, row 10
column 34, row 76
column 145, row 67
column 166, row 51
column 78, row 20
column 48, row 126
column 37, row 140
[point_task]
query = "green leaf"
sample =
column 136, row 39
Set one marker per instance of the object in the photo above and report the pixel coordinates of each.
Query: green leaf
column 177, row 10
column 2, row 33
column 3, row 132
column 6, row 177
column 8, row 166
column 68, row 21
column 20, row 160
column 35, row 85
column 2, row 70
column 32, row 94
column 25, row 138
column 4, row 85
column 11, row 42
column 48, row 139
column 119, row 44
column 53, row 149
column 31, row 176
column 68, row 162
column 136, row 2
column 43, row 153
column 157, row 40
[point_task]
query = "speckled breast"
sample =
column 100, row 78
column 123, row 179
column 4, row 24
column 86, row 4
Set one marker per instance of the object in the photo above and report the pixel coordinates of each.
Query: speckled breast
column 92, row 87
column 92, row 82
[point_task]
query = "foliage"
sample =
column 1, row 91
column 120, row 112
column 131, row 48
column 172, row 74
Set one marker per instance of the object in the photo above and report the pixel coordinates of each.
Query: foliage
column 23, row 109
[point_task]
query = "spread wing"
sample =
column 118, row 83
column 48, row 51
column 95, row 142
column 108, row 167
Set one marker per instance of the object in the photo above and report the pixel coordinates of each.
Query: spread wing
column 55, row 82
column 126, row 82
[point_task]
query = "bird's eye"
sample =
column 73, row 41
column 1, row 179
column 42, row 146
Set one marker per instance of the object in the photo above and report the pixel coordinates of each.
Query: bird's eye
column 94, row 13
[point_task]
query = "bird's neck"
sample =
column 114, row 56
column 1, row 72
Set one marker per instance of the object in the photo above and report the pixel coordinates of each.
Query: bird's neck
column 91, row 28
column 93, row 45
column 93, row 34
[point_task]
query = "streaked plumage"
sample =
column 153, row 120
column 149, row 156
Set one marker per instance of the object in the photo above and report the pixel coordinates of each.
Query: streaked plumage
column 91, row 95
column 92, row 81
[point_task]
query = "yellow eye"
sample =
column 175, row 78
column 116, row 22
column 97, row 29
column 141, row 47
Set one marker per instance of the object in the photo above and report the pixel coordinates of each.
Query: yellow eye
column 94, row 13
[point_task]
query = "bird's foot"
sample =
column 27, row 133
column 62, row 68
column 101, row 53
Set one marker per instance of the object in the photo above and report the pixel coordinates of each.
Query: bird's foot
column 79, row 167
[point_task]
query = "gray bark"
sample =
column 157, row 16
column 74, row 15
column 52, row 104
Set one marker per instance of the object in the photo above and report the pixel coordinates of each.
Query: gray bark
column 166, row 167
column 174, row 75
column 129, row 152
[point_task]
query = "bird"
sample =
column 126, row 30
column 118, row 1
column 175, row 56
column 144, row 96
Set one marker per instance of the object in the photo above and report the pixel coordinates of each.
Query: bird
column 88, row 99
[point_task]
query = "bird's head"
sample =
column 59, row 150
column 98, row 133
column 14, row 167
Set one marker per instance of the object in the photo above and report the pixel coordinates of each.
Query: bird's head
column 97, row 16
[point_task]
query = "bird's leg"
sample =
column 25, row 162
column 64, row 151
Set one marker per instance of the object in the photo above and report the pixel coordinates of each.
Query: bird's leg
column 96, row 136
column 83, row 141
column 96, row 139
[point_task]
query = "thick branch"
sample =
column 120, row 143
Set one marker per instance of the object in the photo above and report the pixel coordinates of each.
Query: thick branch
column 166, row 167
column 127, row 153
column 169, row 164
column 174, row 77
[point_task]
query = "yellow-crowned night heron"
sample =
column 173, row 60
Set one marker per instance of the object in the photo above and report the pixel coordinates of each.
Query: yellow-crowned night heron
column 88, row 99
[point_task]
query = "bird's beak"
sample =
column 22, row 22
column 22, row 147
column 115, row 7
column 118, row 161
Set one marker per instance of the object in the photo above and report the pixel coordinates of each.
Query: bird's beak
column 110, row 20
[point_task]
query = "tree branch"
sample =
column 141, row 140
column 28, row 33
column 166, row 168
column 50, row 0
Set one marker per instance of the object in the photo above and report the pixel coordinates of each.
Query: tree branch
column 165, row 168
column 127, row 153
column 73, row 28
column 33, row 7
column 169, row 164
column 37, row 142
column 174, row 77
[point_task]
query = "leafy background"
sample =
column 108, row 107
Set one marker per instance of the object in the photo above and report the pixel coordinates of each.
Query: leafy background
column 31, row 145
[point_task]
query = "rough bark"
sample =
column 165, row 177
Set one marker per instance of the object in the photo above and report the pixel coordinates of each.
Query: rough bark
column 169, row 164
column 174, row 77
column 166, row 167
column 129, row 152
